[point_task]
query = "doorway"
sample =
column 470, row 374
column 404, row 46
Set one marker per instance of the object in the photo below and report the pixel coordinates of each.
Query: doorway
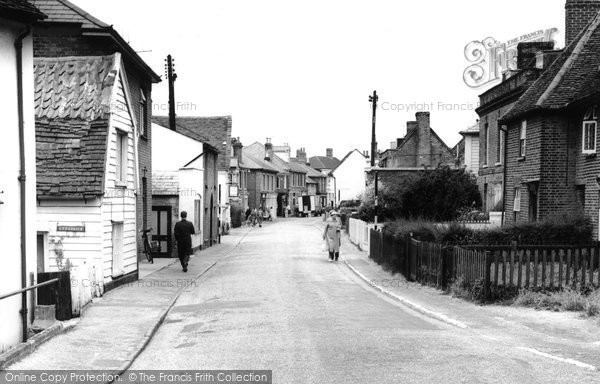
column 161, row 230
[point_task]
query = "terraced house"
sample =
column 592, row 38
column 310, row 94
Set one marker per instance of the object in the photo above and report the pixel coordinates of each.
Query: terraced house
column 552, row 130
column 71, row 31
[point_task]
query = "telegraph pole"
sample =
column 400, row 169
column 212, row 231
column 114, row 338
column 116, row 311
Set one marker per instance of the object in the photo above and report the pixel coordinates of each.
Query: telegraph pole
column 171, row 77
column 373, row 100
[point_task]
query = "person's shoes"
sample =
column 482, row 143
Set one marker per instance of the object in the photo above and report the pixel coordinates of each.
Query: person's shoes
column 185, row 269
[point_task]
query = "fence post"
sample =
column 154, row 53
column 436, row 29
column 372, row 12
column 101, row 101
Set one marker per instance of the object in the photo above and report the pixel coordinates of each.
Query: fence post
column 488, row 274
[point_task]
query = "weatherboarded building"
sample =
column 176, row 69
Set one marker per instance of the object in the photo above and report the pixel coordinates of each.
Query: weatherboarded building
column 87, row 179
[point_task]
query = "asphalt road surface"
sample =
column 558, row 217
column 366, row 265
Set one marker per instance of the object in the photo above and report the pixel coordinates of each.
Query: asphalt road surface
column 276, row 303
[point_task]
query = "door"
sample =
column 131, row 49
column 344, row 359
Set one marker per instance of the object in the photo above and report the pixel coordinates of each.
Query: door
column 161, row 230
column 117, row 249
column 212, row 210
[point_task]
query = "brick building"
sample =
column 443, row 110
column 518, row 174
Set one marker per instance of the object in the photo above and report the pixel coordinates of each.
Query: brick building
column 421, row 147
column 326, row 164
column 71, row 31
column 494, row 103
column 552, row 166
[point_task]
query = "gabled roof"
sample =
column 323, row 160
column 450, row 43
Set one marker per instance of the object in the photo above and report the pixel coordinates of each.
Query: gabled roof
column 324, row 162
column 214, row 130
column 72, row 105
column 310, row 171
column 63, row 11
column 257, row 150
column 573, row 76
column 251, row 162
column 346, row 158
column 20, row 10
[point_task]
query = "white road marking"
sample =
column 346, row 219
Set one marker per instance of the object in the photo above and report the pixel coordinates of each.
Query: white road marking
column 561, row 359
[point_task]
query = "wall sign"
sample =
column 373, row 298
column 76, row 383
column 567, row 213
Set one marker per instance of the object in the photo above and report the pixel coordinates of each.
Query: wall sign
column 70, row 228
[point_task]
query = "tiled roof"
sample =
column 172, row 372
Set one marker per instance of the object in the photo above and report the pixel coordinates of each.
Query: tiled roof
column 573, row 76
column 472, row 130
column 165, row 183
column 251, row 162
column 257, row 150
column 70, row 157
column 20, row 10
column 324, row 162
column 310, row 172
column 63, row 11
column 212, row 130
column 74, row 87
column 72, row 101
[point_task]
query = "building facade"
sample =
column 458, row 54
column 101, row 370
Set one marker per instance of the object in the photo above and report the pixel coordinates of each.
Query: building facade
column 71, row 31
column 17, row 225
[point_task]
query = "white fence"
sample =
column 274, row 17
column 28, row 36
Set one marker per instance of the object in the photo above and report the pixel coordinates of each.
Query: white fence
column 358, row 231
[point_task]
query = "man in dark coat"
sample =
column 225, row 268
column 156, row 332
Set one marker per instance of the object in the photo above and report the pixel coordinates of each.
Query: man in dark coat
column 183, row 235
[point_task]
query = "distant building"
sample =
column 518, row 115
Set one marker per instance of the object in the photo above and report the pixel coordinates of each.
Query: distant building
column 467, row 150
column 326, row 164
column 349, row 177
column 420, row 148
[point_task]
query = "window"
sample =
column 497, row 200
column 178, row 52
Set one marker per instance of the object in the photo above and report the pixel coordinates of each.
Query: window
column 487, row 143
column 580, row 191
column 121, row 156
column 517, row 201
column 278, row 182
column 500, row 146
column 522, row 138
column 143, row 120
column 589, row 137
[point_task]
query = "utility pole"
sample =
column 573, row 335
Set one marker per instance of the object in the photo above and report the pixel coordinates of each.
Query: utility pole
column 171, row 77
column 373, row 100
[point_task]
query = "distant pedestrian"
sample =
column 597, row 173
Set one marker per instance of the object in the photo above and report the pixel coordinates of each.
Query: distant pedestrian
column 332, row 235
column 183, row 235
column 259, row 216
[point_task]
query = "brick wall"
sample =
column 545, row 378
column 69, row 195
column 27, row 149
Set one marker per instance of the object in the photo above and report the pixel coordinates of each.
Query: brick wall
column 579, row 13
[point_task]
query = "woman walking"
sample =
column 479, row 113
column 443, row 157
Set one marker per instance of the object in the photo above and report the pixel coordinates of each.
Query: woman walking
column 332, row 236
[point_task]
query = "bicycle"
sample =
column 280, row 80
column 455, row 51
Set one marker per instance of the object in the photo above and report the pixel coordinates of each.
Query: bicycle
column 149, row 247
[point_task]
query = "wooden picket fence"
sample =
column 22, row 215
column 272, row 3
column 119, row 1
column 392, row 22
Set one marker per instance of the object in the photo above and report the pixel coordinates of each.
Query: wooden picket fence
column 535, row 266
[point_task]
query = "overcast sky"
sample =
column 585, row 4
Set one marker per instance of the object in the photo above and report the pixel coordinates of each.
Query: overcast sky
column 301, row 72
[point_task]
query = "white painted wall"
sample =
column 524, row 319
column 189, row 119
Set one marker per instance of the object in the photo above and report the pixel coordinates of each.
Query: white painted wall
column 10, row 273
column 472, row 154
column 350, row 177
column 223, row 177
column 191, row 187
column 172, row 150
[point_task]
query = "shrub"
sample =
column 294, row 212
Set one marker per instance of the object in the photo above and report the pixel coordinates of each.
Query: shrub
column 422, row 230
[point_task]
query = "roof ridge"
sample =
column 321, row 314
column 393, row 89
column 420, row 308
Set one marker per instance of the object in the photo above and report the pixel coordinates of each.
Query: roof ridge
column 84, row 14
column 588, row 31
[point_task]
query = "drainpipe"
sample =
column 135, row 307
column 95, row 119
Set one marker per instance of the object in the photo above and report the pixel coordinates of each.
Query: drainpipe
column 504, row 161
column 22, row 176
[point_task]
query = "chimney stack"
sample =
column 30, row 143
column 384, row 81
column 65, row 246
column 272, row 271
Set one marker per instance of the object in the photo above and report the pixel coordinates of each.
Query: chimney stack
column 526, row 53
column 301, row 155
column 579, row 13
column 424, row 139
column 268, row 150
column 410, row 125
column 237, row 149
column 329, row 152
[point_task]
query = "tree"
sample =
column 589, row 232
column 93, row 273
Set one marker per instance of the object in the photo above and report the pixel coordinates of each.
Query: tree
column 437, row 194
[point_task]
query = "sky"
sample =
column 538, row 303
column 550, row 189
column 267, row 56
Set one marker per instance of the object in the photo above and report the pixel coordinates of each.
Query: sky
column 301, row 72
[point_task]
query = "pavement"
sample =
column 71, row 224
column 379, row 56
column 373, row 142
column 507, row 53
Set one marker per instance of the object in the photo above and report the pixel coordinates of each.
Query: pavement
column 113, row 328
column 273, row 301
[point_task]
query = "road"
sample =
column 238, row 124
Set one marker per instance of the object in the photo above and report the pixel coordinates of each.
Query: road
column 277, row 303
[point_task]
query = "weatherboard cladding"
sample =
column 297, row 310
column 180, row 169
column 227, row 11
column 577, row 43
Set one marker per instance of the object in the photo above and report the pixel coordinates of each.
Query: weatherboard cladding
column 72, row 102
